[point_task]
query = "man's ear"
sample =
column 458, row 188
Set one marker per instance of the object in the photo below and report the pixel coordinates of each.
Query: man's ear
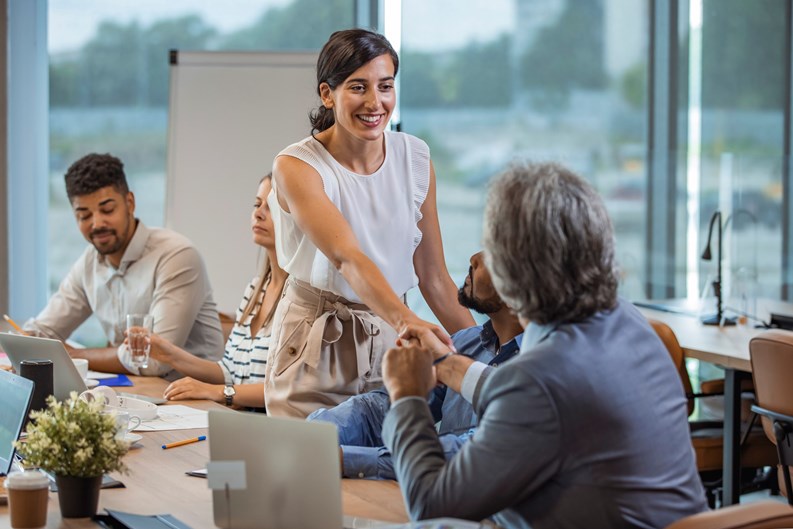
column 326, row 95
column 130, row 199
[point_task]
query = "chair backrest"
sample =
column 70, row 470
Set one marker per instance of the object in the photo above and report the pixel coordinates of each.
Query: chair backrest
column 767, row 514
column 667, row 336
column 771, row 355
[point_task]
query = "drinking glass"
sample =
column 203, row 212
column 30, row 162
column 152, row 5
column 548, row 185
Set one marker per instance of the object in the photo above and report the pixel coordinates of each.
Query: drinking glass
column 139, row 328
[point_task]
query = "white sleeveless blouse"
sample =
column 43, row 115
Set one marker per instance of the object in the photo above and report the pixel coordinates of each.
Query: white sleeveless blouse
column 383, row 209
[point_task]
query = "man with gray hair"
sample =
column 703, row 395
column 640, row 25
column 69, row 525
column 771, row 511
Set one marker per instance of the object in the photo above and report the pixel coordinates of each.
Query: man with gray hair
column 588, row 426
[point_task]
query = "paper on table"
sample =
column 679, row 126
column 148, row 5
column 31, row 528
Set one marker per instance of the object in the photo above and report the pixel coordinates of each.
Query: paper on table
column 98, row 375
column 175, row 417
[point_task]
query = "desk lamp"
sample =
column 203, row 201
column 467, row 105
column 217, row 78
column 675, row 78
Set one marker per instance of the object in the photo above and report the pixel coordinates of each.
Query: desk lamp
column 718, row 318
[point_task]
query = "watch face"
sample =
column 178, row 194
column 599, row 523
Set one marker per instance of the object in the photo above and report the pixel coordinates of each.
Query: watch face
column 229, row 391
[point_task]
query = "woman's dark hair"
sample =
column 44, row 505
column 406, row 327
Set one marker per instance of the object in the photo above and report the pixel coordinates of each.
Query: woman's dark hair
column 93, row 172
column 549, row 244
column 345, row 52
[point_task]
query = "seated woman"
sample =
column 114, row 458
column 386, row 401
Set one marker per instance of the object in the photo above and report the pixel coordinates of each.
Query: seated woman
column 238, row 378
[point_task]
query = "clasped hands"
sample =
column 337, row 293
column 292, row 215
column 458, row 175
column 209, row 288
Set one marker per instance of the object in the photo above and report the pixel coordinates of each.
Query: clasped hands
column 408, row 368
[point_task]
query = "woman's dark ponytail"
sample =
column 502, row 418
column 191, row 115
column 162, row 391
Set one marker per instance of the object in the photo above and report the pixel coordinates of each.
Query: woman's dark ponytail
column 322, row 118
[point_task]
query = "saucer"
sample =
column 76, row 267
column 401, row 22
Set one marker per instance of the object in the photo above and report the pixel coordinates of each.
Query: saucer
column 133, row 437
column 90, row 383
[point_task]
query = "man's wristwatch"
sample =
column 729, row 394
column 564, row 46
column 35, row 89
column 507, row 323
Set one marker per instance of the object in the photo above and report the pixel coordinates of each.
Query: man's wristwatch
column 229, row 393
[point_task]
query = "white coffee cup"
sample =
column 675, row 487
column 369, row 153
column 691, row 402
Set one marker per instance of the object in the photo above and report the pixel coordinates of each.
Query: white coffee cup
column 82, row 367
column 125, row 422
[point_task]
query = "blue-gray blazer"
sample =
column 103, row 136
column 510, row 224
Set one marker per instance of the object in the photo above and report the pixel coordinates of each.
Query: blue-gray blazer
column 587, row 428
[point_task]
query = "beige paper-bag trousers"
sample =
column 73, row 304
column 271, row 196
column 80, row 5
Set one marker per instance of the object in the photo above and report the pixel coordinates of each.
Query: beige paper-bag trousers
column 323, row 350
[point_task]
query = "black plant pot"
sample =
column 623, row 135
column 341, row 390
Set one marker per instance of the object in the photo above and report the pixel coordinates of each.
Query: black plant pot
column 78, row 497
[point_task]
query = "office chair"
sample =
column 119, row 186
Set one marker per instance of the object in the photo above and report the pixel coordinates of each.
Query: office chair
column 765, row 514
column 771, row 354
column 707, row 437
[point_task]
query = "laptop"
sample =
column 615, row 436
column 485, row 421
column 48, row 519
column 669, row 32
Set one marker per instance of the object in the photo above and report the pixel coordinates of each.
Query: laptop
column 16, row 394
column 292, row 476
column 65, row 376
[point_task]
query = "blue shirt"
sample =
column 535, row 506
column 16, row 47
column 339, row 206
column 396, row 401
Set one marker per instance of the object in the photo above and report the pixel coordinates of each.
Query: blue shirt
column 359, row 419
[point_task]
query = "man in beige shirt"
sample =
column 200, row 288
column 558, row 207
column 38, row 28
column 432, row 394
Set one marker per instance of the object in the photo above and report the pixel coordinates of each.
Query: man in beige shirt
column 129, row 268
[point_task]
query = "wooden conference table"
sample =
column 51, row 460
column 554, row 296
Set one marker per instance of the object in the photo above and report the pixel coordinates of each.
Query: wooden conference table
column 727, row 347
column 157, row 484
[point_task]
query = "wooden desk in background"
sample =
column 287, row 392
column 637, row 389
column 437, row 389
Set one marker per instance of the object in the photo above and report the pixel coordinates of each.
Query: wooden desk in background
column 727, row 347
column 157, row 484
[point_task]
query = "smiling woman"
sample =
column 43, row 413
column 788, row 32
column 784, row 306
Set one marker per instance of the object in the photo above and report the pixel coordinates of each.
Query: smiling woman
column 356, row 228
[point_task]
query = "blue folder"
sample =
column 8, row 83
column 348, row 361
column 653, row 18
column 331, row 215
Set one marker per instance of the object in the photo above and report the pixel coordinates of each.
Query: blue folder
column 120, row 380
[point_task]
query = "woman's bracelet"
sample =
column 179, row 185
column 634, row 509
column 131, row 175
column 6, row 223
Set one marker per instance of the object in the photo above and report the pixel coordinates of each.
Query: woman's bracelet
column 442, row 358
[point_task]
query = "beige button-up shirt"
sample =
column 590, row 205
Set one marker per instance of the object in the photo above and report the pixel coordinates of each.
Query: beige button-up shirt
column 162, row 274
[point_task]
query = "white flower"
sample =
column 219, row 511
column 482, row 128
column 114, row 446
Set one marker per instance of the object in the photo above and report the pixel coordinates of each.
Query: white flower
column 73, row 439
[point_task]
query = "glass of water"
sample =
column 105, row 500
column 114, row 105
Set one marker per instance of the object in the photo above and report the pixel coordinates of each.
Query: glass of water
column 139, row 328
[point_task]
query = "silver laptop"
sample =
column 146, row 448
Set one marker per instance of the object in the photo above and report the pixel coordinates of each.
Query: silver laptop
column 292, row 476
column 16, row 394
column 65, row 376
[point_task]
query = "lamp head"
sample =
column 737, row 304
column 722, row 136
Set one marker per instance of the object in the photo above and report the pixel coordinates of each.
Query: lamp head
column 706, row 255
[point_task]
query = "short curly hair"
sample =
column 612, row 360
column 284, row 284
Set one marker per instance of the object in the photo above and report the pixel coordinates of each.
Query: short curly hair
column 549, row 244
column 93, row 172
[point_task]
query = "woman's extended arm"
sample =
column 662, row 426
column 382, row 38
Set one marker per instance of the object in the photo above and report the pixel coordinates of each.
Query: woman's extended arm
column 435, row 284
column 246, row 396
column 184, row 362
column 300, row 192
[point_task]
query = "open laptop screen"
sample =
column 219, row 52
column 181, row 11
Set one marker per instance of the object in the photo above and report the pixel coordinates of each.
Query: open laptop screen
column 16, row 392
column 65, row 377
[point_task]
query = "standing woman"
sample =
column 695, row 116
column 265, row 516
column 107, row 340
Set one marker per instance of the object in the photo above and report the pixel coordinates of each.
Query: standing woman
column 356, row 228
column 238, row 378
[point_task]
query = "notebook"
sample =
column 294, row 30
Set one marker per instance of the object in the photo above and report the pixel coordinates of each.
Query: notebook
column 65, row 376
column 291, row 472
column 16, row 394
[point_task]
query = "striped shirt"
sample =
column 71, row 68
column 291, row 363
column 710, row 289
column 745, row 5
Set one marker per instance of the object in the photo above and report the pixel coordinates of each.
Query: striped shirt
column 245, row 358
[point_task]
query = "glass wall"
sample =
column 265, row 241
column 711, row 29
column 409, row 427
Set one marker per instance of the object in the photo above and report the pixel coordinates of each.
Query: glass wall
column 109, row 85
column 742, row 136
column 499, row 81
column 543, row 80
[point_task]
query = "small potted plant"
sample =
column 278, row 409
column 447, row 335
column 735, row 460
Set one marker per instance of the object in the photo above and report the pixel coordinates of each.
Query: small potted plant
column 77, row 443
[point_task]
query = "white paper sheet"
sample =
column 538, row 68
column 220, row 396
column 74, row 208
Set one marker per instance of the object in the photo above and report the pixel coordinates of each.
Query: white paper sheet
column 176, row 417
column 98, row 375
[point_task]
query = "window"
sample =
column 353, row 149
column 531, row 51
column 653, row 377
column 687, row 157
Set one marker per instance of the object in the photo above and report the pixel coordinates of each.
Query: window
column 109, row 85
column 544, row 80
column 742, row 137
column 515, row 79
